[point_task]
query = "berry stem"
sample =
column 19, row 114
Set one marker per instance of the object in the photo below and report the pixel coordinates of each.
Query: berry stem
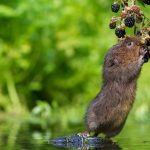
column 135, row 30
column 122, row 3
column 143, row 22
column 147, row 18
column 133, row 2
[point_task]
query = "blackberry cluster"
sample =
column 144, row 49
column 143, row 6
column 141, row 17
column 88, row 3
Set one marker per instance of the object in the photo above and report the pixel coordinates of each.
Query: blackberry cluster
column 130, row 16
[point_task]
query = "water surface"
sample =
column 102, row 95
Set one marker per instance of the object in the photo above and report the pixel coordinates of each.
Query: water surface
column 21, row 136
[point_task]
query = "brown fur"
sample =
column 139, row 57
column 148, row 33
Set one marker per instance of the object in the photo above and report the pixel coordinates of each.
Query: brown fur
column 108, row 112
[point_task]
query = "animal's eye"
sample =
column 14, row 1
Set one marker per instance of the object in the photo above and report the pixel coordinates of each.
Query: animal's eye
column 129, row 44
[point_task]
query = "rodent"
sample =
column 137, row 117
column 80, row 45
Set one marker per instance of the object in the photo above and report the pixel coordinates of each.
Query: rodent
column 108, row 112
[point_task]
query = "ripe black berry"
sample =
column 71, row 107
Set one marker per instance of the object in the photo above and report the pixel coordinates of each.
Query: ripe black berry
column 112, row 25
column 146, row 2
column 120, row 32
column 129, row 21
column 115, row 7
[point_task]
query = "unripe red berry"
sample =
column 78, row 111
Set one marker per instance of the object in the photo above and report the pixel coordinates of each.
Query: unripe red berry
column 135, row 9
column 123, row 14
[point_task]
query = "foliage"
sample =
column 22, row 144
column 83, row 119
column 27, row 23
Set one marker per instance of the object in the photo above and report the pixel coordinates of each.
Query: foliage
column 52, row 52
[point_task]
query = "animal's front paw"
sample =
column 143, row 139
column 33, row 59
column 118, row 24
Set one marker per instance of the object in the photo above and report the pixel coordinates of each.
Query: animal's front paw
column 84, row 134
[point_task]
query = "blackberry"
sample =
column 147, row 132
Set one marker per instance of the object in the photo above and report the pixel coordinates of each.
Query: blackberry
column 146, row 2
column 112, row 25
column 129, row 21
column 115, row 7
column 120, row 32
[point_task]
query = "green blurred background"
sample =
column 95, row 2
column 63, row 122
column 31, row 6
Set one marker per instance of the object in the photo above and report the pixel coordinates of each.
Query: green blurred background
column 51, row 56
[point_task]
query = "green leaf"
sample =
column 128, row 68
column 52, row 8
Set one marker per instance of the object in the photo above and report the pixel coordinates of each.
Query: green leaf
column 141, row 2
column 7, row 11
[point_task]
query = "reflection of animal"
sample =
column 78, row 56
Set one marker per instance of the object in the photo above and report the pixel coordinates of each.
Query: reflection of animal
column 80, row 142
column 108, row 112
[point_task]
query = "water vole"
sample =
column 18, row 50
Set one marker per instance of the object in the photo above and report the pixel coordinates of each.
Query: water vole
column 108, row 112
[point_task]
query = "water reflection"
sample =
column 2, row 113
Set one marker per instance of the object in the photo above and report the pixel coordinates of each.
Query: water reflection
column 79, row 142
column 22, row 136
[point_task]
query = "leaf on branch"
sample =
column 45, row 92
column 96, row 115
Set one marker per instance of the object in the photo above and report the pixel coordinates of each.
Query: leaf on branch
column 141, row 2
column 7, row 11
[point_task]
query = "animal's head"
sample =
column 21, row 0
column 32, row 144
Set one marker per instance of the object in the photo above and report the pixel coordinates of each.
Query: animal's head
column 124, row 60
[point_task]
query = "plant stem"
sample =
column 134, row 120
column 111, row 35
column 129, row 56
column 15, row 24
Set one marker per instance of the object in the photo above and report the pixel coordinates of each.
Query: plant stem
column 12, row 91
column 133, row 2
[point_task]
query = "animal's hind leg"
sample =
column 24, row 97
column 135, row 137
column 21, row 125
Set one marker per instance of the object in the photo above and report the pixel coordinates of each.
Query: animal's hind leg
column 91, row 121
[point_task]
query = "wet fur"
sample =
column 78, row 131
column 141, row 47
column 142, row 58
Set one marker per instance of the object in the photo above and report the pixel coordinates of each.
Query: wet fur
column 108, row 112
